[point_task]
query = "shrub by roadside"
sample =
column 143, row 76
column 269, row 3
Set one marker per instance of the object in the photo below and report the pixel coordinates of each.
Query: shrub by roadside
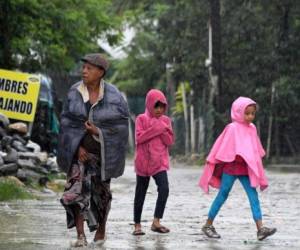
column 13, row 189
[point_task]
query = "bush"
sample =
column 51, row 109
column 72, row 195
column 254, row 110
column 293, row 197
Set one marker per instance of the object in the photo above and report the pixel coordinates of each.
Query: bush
column 11, row 190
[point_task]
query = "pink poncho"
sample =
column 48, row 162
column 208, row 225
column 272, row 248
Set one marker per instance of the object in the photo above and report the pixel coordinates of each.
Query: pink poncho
column 238, row 138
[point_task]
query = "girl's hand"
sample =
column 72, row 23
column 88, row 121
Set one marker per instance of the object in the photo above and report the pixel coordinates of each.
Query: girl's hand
column 165, row 125
column 82, row 154
column 91, row 128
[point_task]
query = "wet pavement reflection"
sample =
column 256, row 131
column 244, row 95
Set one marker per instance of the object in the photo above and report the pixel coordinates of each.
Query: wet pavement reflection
column 40, row 224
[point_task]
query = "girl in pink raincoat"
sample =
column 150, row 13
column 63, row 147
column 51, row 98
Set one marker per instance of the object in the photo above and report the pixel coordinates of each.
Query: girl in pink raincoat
column 236, row 154
column 154, row 136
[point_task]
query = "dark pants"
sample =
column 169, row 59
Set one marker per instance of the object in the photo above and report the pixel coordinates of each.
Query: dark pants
column 142, row 183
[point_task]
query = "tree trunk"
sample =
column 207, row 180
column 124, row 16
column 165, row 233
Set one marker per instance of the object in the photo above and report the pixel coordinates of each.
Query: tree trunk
column 290, row 145
column 170, row 86
column 186, row 122
column 201, row 135
column 215, row 22
column 269, row 139
column 193, row 132
column 214, row 67
column 6, row 61
column 130, row 129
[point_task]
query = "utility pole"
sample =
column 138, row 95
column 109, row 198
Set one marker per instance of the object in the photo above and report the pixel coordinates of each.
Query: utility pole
column 170, row 86
column 213, row 63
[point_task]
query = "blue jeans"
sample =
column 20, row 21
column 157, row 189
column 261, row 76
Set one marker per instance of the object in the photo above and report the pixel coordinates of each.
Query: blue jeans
column 226, row 185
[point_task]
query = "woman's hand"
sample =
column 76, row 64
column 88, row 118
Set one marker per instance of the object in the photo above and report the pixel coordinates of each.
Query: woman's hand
column 82, row 154
column 91, row 128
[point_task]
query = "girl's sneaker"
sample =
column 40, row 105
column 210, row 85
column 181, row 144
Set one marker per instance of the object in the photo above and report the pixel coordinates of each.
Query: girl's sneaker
column 210, row 232
column 264, row 232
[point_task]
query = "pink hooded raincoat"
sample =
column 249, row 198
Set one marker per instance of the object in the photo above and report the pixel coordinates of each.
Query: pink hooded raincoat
column 238, row 138
column 153, row 136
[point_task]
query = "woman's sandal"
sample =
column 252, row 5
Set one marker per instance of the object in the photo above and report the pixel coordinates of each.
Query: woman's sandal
column 80, row 242
column 137, row 232
column 160, row 229
column 98, row 242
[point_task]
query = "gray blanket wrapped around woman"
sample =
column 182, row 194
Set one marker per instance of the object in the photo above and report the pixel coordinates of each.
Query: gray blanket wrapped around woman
column 88, row 184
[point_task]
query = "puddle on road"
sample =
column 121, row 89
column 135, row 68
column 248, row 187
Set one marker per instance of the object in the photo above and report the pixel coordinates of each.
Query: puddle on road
column 41, row 225
column 32, row 224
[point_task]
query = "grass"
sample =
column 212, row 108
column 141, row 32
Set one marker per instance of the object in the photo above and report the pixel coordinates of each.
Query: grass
column 54, row 183
column 56, row 176
column 56, row 187
column 11, row 190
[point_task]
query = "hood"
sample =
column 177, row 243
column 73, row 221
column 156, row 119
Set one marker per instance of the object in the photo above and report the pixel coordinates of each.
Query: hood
column 152, row 97
column 238, row 108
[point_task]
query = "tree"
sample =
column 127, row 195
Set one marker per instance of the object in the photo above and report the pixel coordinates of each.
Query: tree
column 257, row 50
column 39, row 35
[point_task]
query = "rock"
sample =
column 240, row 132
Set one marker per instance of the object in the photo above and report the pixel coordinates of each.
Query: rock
column 19, row 146
column 48, row 191
column 3, row 154
column 43, row 156
column 57, row 185
column 9, row 169
column 4, row 121
column 15, row 180
column 43, row 171
column 19, row 138
column 33, row 147
column 29, row 164
column 6, row 141
column 43, row 181
column 19, row 127
column 12, row 155
column 195, row 157
column 52, row 165
column 1, row 161
column 26, row 163
column 21, row 175
column 2, row 132
column 36, row 158
column 30, row 155
column 54, row 171
column 59, row 182
column 30, row 174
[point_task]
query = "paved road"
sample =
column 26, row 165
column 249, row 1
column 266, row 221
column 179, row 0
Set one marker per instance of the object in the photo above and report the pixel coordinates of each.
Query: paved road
column 41, row 224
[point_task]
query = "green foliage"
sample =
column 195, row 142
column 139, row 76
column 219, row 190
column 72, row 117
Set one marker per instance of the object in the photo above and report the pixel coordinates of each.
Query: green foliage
column 129, row 79
column 287, row 95
column 259, row 48
column 10, row 190
column 165, row 33
column 52, row 35
column 178, row 109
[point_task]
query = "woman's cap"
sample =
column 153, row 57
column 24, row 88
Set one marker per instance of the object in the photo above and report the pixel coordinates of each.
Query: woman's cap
column 96, row 59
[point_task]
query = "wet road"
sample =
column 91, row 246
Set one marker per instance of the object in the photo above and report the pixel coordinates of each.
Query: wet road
column 41, row 224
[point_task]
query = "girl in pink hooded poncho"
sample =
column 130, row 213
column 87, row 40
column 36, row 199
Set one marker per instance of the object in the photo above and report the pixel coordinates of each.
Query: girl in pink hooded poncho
column 153, row 135
column 236, row 154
